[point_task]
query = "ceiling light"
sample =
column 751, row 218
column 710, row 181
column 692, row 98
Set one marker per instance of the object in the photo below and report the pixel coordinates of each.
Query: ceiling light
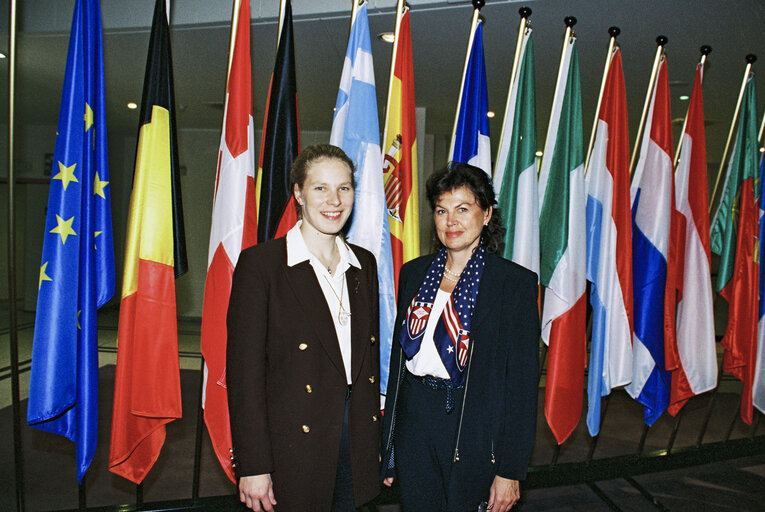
column 762, row 149
column 538, row 153
column 684, row 97
column 490, row 114
column 2, row 55
column 388, row 37
column 132, row 106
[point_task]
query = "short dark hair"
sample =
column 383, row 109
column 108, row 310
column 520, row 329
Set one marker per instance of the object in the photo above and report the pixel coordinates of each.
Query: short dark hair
column 457, row 174
column 310, row 155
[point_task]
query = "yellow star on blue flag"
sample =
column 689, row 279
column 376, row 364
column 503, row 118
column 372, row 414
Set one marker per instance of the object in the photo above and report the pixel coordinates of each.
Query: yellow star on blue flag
column 63, row 385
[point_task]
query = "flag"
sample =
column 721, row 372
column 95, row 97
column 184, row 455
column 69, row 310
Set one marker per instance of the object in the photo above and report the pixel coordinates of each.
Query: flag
column 77, row 268
column 515, row 174
column 654, row 255
column 563, row 251
column 471, row 143
column 280, row 143
column 355, row 129
column 696, row 369
column 234, row 228
column 734, row 237
column 758, row 386
column 609, row 247
column 400, row 158
column 147, row 388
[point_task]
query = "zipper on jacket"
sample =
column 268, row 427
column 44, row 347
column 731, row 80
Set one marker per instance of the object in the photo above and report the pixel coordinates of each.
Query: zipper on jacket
column 395, row 399
column 462, row 410
column 493, row 460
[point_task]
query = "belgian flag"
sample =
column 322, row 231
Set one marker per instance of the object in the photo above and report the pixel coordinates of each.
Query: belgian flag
column 147, row 391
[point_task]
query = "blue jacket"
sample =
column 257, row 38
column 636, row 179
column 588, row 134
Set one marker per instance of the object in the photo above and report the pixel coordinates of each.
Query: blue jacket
column 498, row 421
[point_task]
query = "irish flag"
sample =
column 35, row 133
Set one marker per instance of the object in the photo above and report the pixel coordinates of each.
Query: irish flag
column 563, row 251
column 515, row 172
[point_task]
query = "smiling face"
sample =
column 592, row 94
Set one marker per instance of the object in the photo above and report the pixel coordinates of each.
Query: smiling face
column 326, row 198
column 459, row 219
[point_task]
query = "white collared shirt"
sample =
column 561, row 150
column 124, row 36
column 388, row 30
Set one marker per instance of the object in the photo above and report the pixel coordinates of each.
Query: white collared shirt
column 334, row 286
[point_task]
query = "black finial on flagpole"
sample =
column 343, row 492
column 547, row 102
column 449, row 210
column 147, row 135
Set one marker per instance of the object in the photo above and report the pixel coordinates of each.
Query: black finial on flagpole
column 570, row 21
column 751, row 58
column 525, row 12
column 614, row 31
column 661, row 40
column 705, row 50
column 477, row 4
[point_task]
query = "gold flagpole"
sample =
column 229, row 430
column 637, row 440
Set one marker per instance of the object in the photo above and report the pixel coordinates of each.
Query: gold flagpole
column 525, row 12
column 400, row 7
column 750, row 59
column 234, row 30
column 613, row 32
column 705, row 50
column 354, row 10
column 570, row 21
column 282, row 7
column 477, row 4
column 660, row 41
column 762, row 128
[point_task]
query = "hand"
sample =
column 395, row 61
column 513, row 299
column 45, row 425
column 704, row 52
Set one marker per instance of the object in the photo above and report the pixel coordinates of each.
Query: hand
column 257, row 492
column 388, row 481
column 504, row 494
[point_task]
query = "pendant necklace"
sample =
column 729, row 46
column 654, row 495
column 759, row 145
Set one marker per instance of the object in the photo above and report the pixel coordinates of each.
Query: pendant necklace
column 343, row 316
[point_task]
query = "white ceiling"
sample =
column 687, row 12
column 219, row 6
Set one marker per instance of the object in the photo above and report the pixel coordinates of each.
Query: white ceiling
column 200, row 39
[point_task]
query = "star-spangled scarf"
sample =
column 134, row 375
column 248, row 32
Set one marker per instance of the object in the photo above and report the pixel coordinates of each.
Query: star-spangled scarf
column 452, row 333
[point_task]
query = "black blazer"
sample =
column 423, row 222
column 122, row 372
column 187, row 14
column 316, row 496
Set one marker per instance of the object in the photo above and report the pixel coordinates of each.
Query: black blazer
column 499, row 418
column 286, row 380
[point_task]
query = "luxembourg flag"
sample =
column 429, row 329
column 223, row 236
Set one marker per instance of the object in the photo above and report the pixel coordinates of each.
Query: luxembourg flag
column 563, row 251
column 355, row 129
column 470, row 142
column 654, row 253
column 609, row 247
column 695, row 371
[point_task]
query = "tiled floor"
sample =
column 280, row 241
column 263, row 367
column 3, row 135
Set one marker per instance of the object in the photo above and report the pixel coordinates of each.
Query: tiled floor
column 50, row 484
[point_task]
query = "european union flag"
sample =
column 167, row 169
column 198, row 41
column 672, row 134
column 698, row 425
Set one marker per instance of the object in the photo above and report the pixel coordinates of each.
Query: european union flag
column 77, row 269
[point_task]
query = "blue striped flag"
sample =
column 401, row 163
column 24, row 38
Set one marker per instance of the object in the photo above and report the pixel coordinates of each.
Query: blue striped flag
column 356, row 129
column 471, row 134
column 77, row 270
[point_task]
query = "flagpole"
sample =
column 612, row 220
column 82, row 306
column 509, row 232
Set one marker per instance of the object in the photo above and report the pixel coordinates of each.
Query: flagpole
column 477, row 4
column 762, row 128
column 613, row 32
column 282, row 7
column 400, row 7
column 354, row 9
column 12, row 330
column 705, row 50
column 524, row 12
column 660, row 41
column 570, row 21
column 750, row 59
column 234, row 30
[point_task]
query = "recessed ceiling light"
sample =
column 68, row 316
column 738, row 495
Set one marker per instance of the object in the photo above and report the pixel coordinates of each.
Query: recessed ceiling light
column 684, row 97
column 132, row 106
column 490, row 114
column 388, row 37
column 762, row 149
column 538, row 153
column 2, row 55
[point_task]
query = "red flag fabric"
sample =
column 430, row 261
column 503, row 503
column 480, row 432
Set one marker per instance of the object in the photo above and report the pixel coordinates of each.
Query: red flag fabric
column 234, row 228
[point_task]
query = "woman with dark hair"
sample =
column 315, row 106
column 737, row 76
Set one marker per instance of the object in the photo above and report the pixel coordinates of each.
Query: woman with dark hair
column 462, row 394
column 302, row 362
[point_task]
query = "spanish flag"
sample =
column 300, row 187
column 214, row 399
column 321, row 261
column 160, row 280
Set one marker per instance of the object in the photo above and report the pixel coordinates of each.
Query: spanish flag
column 400, row 153
column 147, row 391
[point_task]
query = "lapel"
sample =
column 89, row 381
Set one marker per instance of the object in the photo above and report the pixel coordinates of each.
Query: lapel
column 358, row 292
column 487, row 293
column 305, row 286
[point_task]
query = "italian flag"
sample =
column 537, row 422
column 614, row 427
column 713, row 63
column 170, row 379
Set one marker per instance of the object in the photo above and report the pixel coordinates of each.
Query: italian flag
column 563, row 251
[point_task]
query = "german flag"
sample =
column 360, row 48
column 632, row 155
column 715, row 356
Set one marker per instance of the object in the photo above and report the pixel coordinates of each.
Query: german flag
column 280, row 144
column 147, row 391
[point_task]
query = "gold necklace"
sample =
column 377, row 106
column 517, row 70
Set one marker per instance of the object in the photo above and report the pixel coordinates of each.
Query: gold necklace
column 343, row 315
